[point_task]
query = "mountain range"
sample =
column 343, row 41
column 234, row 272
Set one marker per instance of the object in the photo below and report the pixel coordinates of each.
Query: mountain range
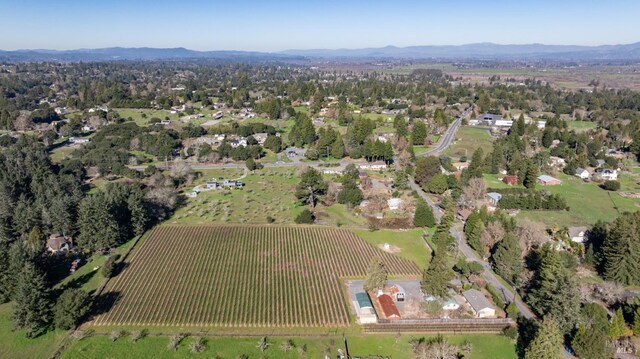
column 479, row 51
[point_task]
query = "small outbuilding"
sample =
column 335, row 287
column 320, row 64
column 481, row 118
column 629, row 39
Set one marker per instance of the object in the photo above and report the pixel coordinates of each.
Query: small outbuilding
column 389, row 309
column 394, row 203
column 582, row 173
column 494, row 198
column 547, row 180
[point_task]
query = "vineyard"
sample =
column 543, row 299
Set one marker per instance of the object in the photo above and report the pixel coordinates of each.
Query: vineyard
column 242, row 276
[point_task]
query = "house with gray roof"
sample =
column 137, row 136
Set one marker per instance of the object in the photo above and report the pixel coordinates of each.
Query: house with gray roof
column 480, row 305
column 494, row 198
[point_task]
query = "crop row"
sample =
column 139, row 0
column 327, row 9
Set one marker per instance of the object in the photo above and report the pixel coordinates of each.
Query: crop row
column 237, row 276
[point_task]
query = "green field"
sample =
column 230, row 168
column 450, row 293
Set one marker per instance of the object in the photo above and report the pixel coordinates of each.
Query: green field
column 410, row 242
column 581, row 126
column 268, row 192
column 483, row 347
column 468, row 139
column 587, row 201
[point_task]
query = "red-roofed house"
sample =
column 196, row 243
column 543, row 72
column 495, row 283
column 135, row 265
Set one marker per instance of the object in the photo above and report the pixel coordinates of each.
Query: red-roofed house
column 510, row 180
column 389, row 309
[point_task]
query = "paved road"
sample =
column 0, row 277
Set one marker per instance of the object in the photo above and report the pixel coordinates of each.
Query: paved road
column 448, row 136
column 456, row 230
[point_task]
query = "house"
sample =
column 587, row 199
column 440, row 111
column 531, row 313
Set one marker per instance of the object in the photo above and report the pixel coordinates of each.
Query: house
column 239, row 142
column 464, row 213
column 480, row 305
column 192, row 194
column 79, row 140
column 218, row 115
column 394, row 203
column 601, row 162
column 494, row 198
column 510, row 180
column 488, row 119
column 232, row 184
column 609, row 175
column 578, row 234
column 557, row 161
column 364, row 309
column 332, row 171
column 582, row 173
column 389, row 309
column 459, row 166
column 212, row 185
column 261, row 137
column 375, row 166
column 546, row 180
column 58, row 243
column 503, row 124
column 614, row 153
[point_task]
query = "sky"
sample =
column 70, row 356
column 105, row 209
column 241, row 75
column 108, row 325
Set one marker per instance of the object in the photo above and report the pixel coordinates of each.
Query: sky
column 329, row 24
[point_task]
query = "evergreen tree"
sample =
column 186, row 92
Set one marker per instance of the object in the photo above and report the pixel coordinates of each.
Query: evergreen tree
column 376, row 275
column 621, row 250
column 473, row 229
column 618, row 328
column 547, row 343
column 35, row 241
column 520, row 125
column 531, row 175
column 438, row 184
column 97, row 225
column 423, row 217
column 71, row 306
column 305, row 217
column 590, row 344
column 400, row 125
column 590, row 340
column 636, row 322
column 476, row 167
column 554, row 291
column 139, row 212
column 311, row 187
column 418, row 133
column 507, row 259
column 32, row 309
column 435, row 279
column 337, row 149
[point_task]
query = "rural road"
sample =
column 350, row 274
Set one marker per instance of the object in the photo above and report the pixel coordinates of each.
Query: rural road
column 448, row 136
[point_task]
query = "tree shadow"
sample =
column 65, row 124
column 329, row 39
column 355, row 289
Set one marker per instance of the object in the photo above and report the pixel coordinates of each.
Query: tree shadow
column 103, row 303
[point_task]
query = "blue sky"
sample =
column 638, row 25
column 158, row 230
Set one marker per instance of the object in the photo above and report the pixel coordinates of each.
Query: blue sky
column 279, row 25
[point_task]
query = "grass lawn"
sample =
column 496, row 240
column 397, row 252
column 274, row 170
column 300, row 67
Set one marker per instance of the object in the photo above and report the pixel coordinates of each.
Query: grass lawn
column 410, row 242
column 587, row 201
column 15, row 345
column 581, row 126
column 468, row 139
column 61, row 153
column 268, row 192
column 483, row 346
column 339, row 215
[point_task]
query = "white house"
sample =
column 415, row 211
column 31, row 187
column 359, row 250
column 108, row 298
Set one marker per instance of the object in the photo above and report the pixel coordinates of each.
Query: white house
column 376, row 166
column 480, row 305
column 582, row 173
column 609, row 175
column 394, row 203
column 578, row 234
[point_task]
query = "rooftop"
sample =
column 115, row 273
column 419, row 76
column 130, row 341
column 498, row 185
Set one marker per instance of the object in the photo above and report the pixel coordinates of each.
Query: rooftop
column 477, row 300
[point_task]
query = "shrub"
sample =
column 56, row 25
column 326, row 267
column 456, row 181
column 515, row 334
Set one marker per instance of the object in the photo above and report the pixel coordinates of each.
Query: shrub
column 109, row 267
column 174, row 341
column 510, row 332
column 611, row 185
column 270, row 219
column 138, row 334
column 116, row 334
column 497, row 297
column 305, row 217
column 198, row 346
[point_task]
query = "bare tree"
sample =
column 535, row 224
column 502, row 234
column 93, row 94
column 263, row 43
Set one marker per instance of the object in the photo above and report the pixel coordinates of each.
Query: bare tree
column 493, row 233
column 472, row 193
column 531, row 234
column 436, row 348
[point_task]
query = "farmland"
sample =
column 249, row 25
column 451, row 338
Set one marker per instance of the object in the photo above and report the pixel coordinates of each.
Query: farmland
column 241, row 276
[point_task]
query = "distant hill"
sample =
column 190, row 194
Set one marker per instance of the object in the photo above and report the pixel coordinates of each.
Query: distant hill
column 134, row 53
column 487, row 51
column 480, row 51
